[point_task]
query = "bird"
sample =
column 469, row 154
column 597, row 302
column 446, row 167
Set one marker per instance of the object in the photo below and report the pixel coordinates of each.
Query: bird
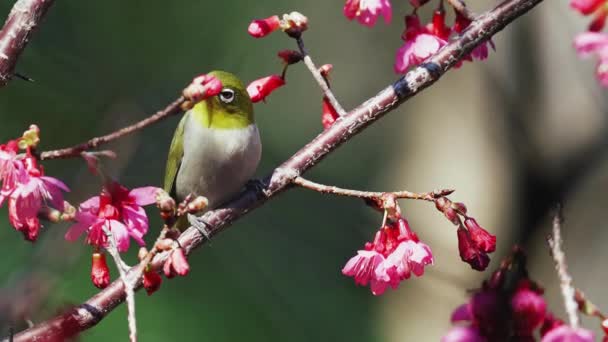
column 216, row 147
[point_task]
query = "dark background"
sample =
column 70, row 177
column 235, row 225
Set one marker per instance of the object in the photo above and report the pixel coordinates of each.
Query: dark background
column 512, row 135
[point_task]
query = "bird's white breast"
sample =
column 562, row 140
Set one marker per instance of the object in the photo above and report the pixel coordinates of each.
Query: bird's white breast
column 217, row 162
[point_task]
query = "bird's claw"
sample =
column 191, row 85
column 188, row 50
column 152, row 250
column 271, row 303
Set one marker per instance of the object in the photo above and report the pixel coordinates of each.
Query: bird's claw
column 257, row 185
column 200, row 224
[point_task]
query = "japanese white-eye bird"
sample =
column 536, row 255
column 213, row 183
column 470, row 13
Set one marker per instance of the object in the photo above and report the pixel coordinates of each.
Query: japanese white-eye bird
column 216, row 147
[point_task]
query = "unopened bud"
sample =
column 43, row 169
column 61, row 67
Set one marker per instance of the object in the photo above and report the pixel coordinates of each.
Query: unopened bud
column 165, row 204
column 442, row 203
column 198, row 204
column 50, row 214
column 452, row 216
column 460, row 208
column 325, row 69
column 290, row 56
column 201, row 88
column 262, row 27
column 294, row 24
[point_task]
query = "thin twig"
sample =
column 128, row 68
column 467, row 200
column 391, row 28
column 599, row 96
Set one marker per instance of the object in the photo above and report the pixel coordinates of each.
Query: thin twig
column 568, row 291
column 74, row 151
column 319, row 78
column 334, row 190
column 122, row 271
column 462, row 8
column 96, row 308
column 16, row 32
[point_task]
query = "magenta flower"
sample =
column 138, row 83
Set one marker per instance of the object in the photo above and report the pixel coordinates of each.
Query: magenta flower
column 394, row 255
column 419, row 45
column 30, row 194
column 368, row 11
column 9, row 166
column 470, row 253
column 117, row 210
column 529, row 309
column 594, row 44
column 176, row 264
column 566, row 333
column 363, row 266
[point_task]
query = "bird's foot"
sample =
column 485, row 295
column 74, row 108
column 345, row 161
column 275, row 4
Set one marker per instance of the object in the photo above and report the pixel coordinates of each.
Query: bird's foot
column 258, row 186
column 200, row 224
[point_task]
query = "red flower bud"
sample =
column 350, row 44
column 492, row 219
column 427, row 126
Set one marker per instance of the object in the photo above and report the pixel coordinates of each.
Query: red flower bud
column 259, row 89
column 151, row 282
column 100, row 273
column 483, row 240
column 262, row 27
column 290, row 56
column 329, row 114
column 469, row 252
column 325, row 69
column 599, row 21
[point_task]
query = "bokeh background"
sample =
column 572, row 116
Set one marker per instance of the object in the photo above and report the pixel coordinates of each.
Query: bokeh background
column 513, row 135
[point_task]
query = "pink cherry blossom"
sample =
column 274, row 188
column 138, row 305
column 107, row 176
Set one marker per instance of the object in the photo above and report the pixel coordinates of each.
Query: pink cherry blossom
column 594, row 44
column 419, row 45
column 368, row 11
column 31, row 193
column 363, row 266
column 394, row 255
column 117, row 210
column 566, row 333
column 9, row 166
column 176, row 264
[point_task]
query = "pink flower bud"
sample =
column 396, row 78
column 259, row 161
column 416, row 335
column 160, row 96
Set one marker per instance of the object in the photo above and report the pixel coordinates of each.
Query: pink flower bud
column 262, row 27
column 152, row 282
column 100, row 273
column 483, row 240
column 259, row 89
column 290, row 56
column 325, row 69
column 460, row 207
column 202, row 87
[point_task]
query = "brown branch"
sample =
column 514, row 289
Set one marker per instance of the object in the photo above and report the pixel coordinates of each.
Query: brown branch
column 370, row 195
column 565, row 280
column 16, row 32
column 96, row 308
column 74, row 151
column 319, row 78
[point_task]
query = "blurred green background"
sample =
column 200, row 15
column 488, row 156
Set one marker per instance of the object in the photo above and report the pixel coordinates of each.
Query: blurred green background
column 512, row 135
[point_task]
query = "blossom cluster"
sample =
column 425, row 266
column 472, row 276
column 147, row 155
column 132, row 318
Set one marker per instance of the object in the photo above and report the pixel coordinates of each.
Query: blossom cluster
column 510, row 306
column 420, row 41
column 28, row 192
column 594, row 42
column 396, row 251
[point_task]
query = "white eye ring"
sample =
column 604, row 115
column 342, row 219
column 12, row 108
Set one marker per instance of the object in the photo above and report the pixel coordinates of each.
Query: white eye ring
column 227, row 95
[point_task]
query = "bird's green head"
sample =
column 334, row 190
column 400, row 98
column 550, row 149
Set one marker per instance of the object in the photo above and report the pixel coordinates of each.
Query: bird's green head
column 231, row 108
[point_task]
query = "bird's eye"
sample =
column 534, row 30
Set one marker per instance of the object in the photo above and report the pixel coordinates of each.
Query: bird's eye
column 227, row 95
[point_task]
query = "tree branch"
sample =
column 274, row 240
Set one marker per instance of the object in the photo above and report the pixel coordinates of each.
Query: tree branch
column 96, row 308
column 370, row 195
column 15, row 34
column 74, row 151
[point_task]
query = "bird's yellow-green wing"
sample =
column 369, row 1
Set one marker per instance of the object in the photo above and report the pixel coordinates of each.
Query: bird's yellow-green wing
column 174, row 160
